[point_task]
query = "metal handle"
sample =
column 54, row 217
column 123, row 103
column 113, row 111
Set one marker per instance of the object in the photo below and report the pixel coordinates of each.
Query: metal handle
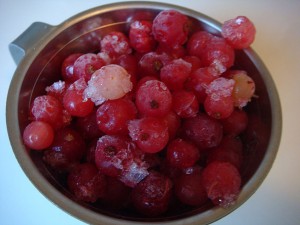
column 27, row 40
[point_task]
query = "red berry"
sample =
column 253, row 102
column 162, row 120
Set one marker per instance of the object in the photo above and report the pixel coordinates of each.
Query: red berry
column 140, row 36
column 170, row 27
column 88, row 127
column 182, row 154
column 239, row 32
column 175, row 73
column 113, row 116
column 194, row 61
column 116, row 156
column 203, row 130
column 86, row 65
column 151, row 196
column 74, row 101
column 57, row 89
column 48, row 109
column 153, row 98
column 152, row 62
column 236, row 123
column 87, row 183
column 38, row 135
column 149, row 133
column 222, row 182
column 173, row 122
column 190, row 190
column 230, row 150
column 129, row 63
column 199, row 80
column 198, row 42
column 115, row 44
column 185, row 104
column 67, row 68
column 66, row 150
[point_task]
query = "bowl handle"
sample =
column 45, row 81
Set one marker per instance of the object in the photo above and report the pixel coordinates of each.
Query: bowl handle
column 33, row 34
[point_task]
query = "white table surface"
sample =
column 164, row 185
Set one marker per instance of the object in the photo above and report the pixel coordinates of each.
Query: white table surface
column 277, row 201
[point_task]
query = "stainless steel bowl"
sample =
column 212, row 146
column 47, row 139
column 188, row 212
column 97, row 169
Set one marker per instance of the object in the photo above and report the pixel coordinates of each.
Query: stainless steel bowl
column 39, row 52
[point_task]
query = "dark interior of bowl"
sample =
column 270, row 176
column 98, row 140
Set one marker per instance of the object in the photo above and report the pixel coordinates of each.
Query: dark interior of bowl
column 84, row 36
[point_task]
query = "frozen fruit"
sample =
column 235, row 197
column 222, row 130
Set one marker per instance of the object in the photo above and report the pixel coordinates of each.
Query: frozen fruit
column 185, row 103
column 170, row 27
column 38, row 135
column 152, row 195
column 222, row 183
column 108, row 83
column 149, row 133
column 239, row 32
column 153, row 98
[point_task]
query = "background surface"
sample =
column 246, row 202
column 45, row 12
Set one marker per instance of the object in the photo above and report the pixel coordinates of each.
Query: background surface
column 277, row 42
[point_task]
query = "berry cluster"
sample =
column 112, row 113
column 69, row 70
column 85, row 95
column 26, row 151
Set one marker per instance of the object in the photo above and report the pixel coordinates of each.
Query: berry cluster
column 154, row 115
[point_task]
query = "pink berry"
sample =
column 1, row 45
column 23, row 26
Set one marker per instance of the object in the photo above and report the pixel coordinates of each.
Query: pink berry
column 236, row 123
column 239, row 32
column 149, row 133
column 38, row 135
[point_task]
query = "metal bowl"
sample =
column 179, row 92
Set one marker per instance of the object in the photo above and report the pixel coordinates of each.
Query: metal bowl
column 39, row 51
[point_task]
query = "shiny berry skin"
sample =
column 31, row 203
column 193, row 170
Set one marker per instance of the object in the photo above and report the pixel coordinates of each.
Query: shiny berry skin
column 113, row 116
column 86, row 182
column 153, row 98
column 130, row 64
column 74, row 101
column 151, row 197
column 170, row 27
column 86, row 65
column 175, row 73
column 38, row 135
column 66, row 150
column 48, row 109
column 190, row 190
column 236, row 123
column 149, row 133
column 182, row 154
column 239, row 32
column 67, row 68
column 222, row 182
column 115, row 44
column 140, row 36
column 185, row 104
column 198, row 42
column 202, row 130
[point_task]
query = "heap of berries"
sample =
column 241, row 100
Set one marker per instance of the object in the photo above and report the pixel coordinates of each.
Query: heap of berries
column 154, row 115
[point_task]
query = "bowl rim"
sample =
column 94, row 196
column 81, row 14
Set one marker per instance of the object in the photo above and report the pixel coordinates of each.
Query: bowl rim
column 88, row 215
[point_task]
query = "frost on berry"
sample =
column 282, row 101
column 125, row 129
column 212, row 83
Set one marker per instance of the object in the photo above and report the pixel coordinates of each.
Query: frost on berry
column 108, row 83
column 239, row 32
column 118, row 157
